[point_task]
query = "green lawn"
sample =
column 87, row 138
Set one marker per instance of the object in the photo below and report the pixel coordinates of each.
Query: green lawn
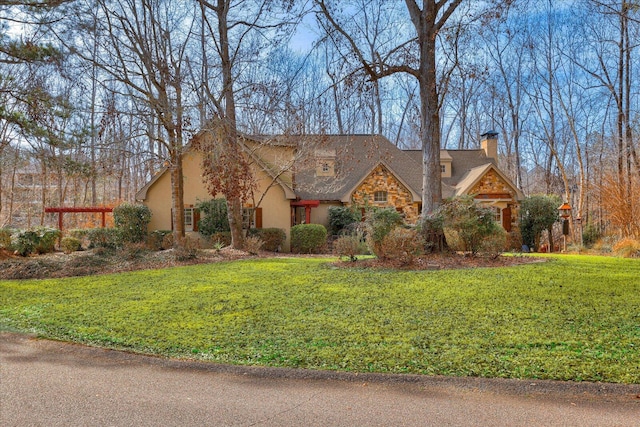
column 573, row 318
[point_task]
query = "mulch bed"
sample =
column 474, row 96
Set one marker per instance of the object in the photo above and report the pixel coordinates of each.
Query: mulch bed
column 98, row 261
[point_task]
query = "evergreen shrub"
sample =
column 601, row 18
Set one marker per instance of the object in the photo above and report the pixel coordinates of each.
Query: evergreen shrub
column 132, row 220
column 70, row 244
column 308, row 238
column 272, row 238
column 341, row 217
column 214, row 217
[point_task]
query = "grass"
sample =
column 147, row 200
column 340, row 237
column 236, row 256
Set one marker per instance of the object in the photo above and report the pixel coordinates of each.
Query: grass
column 573, row 318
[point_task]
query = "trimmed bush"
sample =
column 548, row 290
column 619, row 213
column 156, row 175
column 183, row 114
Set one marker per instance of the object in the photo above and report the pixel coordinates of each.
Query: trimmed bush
column 214, row 217
column 132, row 220
column 47, row 239
column 70, row 244
column 36, row 240
column 341, row 217
column 272, row 238
column 108, row 238
column 308, row 238
column 402, row 246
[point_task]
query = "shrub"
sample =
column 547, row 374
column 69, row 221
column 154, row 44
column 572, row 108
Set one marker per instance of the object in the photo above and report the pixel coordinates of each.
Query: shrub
column 590, row 235
column 132, row 220
column 308, row 238
column 5, row 238
column 70, row 244
column 347, row 246
column 81, row 234
column 221, row 237
column 188, row 250
column 25, row 242
column 253, row 244
column 340, row 217
column 467, row 225
column 538, row 213
column 379, row 223
column 36, row 240
column 108, row 238
column 627, row 248
column 214, row 217
column 46, row 239
column 135, row 250
column 272, row 238
column 402, row 245
column 156, row 240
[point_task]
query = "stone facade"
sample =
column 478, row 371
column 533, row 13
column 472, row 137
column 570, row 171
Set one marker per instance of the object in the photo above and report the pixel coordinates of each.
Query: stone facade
column 398, row 196
column 492, row 184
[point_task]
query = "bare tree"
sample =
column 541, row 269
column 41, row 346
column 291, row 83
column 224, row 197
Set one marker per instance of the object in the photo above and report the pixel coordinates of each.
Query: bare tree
column 142, row 45
column 417, row 56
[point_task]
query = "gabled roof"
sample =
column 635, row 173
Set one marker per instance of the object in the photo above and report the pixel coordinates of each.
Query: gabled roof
column 356, row 157
column 141, row 195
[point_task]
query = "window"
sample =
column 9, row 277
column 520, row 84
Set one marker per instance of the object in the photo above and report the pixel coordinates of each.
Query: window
column 248, row 218
column 188, row 219
column 380, row 197
column 443, row 168
column 498, row 216
column 326, row 167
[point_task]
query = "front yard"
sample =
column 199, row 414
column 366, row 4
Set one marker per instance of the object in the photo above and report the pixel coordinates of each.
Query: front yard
column 573, row 318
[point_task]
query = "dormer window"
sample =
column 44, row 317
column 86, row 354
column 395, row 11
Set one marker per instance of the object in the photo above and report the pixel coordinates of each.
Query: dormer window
column 326, row 167
column 443, row 168
column 380, row 197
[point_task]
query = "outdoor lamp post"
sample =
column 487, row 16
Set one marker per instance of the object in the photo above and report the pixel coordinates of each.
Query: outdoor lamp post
column 565, row 213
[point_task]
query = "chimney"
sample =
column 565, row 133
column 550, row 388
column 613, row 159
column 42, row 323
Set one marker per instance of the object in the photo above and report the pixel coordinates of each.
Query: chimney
column 489, row 144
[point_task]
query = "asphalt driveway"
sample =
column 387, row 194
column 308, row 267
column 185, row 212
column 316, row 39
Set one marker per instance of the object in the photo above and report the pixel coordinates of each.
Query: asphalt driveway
column 48, row 383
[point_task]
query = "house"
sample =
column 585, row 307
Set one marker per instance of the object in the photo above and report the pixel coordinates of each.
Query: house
column 299, row 178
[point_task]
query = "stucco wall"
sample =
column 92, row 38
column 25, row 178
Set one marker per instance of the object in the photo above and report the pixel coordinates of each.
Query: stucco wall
column 275, row 206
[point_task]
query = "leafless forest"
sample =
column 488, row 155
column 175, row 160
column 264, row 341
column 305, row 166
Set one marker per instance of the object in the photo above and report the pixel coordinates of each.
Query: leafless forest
column 95, row 96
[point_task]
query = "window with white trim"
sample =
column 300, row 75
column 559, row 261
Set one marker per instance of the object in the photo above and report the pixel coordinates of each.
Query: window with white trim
column 380, row 197
column 188, row 219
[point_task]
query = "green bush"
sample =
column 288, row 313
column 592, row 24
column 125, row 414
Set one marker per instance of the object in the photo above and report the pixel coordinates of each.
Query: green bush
column 25, row 242
column 70, row 244
column 272, row 238
column 402, row 246
column 36, row 240
column 46, row 239
column 132, row 220
column 308, row 238
column 214, row 217
column 470, row 227
column 590, row 235
column 538, row 213
column 108, row 238
column 341, row 217
column 379, row 223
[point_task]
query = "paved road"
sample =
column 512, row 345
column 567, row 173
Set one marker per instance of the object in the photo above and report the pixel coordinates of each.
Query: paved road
column 47, row 383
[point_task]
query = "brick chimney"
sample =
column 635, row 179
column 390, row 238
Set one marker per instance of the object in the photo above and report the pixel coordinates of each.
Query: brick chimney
column 489, row 144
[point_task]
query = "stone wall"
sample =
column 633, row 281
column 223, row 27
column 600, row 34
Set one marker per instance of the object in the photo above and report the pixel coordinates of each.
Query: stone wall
column 398, row 196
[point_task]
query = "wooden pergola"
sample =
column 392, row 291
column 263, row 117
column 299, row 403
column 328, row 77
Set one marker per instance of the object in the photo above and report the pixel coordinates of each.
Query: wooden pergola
column 87, row 209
